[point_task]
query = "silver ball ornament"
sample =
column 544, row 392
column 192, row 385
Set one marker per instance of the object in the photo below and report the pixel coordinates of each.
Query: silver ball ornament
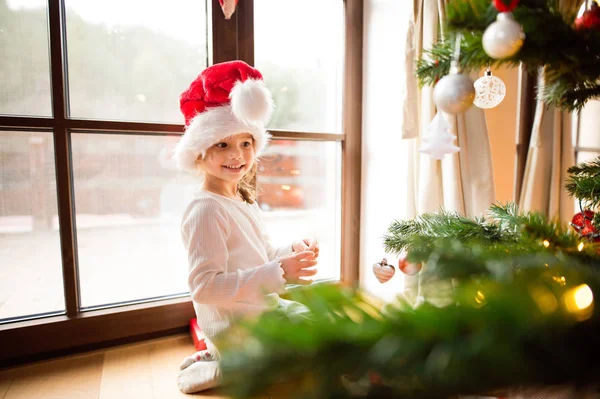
column 454, row 93
column 504, row 37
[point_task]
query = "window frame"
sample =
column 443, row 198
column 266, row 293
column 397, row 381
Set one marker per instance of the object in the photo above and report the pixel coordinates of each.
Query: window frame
column 76, row 330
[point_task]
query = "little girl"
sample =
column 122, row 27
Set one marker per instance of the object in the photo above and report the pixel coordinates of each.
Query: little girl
column 232, row 265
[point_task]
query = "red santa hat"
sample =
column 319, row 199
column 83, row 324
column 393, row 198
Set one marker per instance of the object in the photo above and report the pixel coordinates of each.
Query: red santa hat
column 224, row 100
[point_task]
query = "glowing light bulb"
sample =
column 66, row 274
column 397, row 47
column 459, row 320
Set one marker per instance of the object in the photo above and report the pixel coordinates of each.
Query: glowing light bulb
column 584, row 297
column 579, row 301
column 580, row 247
column 546, row 243
column 480, row 298
column 560, row 280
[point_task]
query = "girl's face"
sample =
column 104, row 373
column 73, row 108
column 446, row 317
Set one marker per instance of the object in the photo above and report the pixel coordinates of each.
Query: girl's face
column 230, row 159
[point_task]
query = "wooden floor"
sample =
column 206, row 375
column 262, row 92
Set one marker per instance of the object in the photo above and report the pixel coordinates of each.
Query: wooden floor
column 145, row 370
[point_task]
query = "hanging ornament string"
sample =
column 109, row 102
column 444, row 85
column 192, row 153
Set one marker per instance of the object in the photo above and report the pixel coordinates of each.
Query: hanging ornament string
column 489, row 90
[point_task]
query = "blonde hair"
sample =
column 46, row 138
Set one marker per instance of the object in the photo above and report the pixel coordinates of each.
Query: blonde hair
column 247, row 185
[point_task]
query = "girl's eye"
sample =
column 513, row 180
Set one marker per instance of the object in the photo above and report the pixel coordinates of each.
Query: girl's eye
column 247, row 144
column 221, row 145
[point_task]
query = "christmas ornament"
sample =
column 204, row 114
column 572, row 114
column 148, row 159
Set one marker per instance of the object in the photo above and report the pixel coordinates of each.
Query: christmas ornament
column 407, row 267
column 454, row 93
column 489, row 90
column 438, row 142
column 583, row 224
column 590, row 18
column 228, row 7
column 503, row 38
column 502, row 7
column 383, row 271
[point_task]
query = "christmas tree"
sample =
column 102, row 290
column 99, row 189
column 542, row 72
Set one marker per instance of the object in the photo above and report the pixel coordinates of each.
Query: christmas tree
column 544, row 35
column 509, row 299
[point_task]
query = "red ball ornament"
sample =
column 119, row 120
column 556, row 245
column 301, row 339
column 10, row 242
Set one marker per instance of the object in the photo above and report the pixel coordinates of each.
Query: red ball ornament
column 590, row 19
column 502, row 7
column 407, row 267
column 582, row 223
column 383, row 271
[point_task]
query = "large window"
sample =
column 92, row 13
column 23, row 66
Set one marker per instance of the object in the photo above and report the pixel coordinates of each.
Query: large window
column 90, row 200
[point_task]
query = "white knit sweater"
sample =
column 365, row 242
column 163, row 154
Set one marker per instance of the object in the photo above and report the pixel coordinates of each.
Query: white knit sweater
column 232, row 265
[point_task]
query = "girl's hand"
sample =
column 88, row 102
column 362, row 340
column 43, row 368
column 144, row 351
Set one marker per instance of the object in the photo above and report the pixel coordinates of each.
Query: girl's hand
column 308, row 244
column 296, row 266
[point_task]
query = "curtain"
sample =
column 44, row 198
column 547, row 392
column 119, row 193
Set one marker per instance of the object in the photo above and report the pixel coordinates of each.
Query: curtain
column 461, row 182
column 550, row 152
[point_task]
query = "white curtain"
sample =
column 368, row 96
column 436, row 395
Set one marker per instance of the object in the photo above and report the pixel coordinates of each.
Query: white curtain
column 550, row 152
column 549, row 156
column 462, row 182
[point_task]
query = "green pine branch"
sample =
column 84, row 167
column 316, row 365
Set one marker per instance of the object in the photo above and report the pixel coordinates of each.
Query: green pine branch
column 408, row 234
column 583, row 182
column 496, row 334
column 505, row 229
column 567, row 57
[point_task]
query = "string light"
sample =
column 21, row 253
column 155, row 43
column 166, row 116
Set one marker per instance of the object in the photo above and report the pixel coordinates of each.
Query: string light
column 580, row 247
column 479, row 298
column 560, row 280
column 579, row 301
column 546, row 243
column 584, row 297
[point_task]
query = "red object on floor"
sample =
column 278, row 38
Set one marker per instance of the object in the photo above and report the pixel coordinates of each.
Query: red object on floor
column 197, row 335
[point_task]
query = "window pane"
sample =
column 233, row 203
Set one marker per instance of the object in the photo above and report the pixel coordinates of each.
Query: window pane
column 30, row 260
column 299, row 49
column 588, row 125
column 584, row 156
column 129, row 201
column 25, row 66
column 131, row 59
column 300, row 184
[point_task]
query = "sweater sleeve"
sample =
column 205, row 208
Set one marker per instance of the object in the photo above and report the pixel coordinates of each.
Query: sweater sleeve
column 205, row 229
column 273, row 252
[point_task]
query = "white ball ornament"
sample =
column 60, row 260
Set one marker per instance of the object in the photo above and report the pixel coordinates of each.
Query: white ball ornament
column 454, row 93
column 504, row 37
column 490, row 91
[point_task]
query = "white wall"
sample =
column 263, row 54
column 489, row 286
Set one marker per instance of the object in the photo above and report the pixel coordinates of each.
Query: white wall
column 383, row 178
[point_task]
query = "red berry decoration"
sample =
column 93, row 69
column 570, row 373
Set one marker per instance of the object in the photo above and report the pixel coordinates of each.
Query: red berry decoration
column 583, row 224
column 407, row 267
column 590, row 19
column 501, row 5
